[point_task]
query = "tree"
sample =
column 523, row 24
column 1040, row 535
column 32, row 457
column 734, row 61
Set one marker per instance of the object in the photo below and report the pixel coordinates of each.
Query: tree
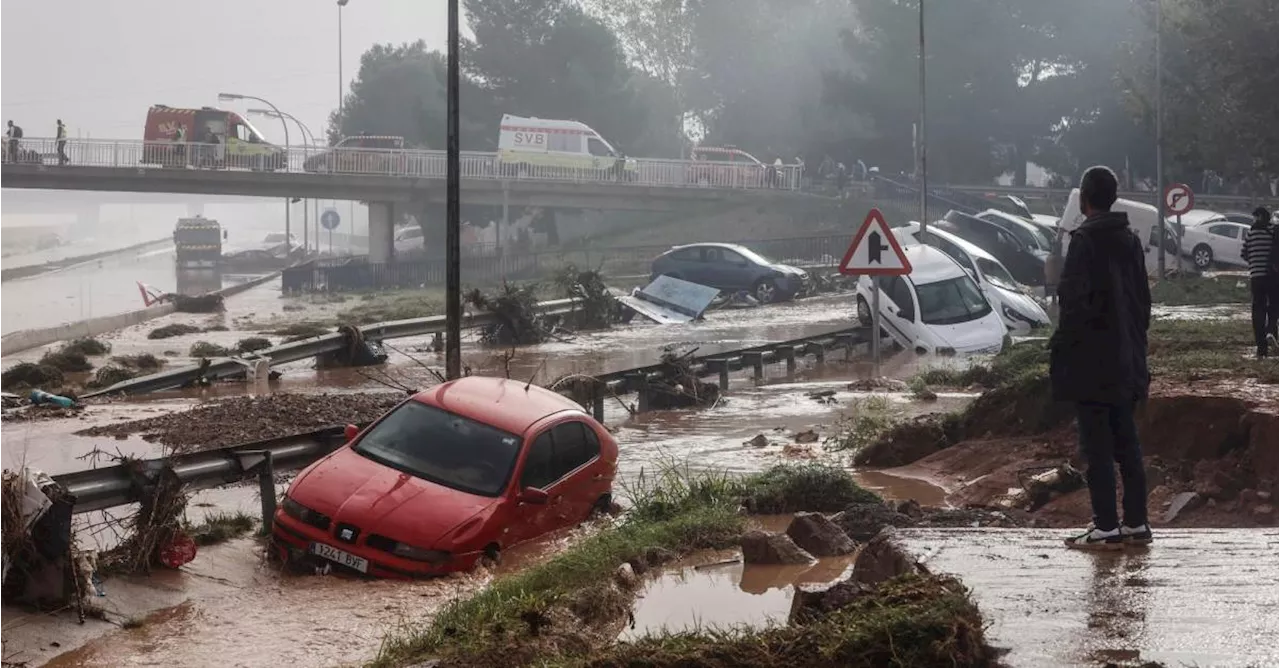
column 401, row 91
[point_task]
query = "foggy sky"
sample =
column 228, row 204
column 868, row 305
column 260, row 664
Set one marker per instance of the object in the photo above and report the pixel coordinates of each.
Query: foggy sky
column 100, row 65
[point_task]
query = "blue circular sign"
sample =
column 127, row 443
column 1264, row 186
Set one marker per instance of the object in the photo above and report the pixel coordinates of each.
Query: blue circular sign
column 330, row 219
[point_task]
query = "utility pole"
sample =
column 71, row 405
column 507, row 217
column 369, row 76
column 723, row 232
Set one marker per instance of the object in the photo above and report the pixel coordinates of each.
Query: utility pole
column 924, row 150
column 341, row 4
column 1160, row 143
column 453, row 213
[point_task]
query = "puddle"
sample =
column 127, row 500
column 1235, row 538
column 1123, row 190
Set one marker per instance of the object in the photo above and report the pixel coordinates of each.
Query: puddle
column 716, row 590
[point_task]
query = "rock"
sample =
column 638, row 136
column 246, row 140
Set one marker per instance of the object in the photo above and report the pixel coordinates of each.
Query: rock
column 1264, row 513
column 807, row 436
column 798, row 451
column 626, row 577
column 1264, row 496
column 883, row 558
column 911, row 508
column 819, row 536
column 808, row 604
column 864, row 520
column 759, row 441
column 761, row 547
column 1208, row 490
column 1181, row 501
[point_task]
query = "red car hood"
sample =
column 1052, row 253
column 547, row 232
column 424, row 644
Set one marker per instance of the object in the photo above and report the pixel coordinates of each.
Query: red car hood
column 352, row 489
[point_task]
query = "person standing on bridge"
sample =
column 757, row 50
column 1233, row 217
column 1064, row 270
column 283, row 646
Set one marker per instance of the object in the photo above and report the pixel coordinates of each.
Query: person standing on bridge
column 1260, row 252
column 14, row 135
column 61, row 136
column 1098, row 359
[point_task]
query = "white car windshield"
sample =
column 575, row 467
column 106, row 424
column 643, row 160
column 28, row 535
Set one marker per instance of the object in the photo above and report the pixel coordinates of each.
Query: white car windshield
column 997, row 275
column 952, row 301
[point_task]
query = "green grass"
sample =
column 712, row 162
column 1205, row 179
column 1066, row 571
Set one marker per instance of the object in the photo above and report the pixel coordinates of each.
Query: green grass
column 206, row 349
column 868, row 419
column 88, row 346
column 912, row 620
column 221, row 527
column 395, row 305
column 1199, row 290
column 675, row 510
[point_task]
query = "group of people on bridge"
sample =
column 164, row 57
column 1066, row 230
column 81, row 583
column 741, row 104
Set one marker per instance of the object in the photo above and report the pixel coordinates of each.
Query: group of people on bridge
column 13, row 145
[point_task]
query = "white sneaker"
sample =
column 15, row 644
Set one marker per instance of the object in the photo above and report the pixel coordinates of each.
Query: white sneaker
column 1139, row 535
column 1094, row 539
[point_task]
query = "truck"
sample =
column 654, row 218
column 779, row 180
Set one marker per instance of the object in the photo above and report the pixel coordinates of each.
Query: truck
column 215, row 138
column 198, row 243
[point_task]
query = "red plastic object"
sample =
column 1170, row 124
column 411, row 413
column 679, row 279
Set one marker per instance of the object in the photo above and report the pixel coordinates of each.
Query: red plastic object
column 179, row 550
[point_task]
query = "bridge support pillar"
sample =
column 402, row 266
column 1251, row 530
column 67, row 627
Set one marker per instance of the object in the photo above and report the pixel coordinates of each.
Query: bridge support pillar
column 756, row 360
column 382, row 224
column 789, row 354
column 721, row 367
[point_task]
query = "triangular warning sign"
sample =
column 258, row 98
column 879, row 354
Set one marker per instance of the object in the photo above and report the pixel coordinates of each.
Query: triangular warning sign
column 875, row 251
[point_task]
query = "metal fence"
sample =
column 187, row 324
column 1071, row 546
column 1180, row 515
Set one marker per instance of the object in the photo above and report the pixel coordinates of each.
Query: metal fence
column 406, row 163
column 483, row 266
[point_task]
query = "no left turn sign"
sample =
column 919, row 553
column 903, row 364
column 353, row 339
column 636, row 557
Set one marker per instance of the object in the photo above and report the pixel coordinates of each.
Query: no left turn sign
column 1178, row 199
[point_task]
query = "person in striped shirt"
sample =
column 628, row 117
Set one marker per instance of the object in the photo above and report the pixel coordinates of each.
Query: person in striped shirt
column 1260, row 252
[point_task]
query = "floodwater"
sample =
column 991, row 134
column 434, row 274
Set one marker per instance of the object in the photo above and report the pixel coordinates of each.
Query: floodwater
column 1204, row 597
column 715, row 590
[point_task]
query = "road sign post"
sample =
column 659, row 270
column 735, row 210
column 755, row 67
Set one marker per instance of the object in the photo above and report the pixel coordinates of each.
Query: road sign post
column 875, row 252
column 1178, row 199
column 330, row 220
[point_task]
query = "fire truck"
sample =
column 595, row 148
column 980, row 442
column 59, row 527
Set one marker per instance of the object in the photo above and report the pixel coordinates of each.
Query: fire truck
column 215, row 138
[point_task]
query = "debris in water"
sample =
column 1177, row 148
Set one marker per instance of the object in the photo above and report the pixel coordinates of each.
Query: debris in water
column 807, row 436
column 680, row 387
column 824, row 396
column 793, row 451
column 881, row 384
column 587, row 289
column 208, row 303
column 758, row 441
column 110, row 375
column 516, row 308
column 176, row 329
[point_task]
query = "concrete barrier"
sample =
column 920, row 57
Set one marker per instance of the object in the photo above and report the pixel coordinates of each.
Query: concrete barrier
column 27, row 339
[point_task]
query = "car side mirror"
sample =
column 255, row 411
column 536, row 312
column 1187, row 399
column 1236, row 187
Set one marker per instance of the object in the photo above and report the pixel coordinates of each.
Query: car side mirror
column 533, row 496
column 350, row 431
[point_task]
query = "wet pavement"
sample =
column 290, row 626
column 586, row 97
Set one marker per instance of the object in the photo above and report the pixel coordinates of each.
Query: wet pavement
column 1204, row 597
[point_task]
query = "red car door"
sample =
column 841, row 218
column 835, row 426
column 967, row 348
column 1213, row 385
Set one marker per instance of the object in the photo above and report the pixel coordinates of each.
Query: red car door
column 529, row 520
column 576, row 447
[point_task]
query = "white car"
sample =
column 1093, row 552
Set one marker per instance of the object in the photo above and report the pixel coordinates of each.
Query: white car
column 409, row 239
column 1020, row 310
column 275, row 244
column 937, row 308
column 1214, row 240
column 1142, row 221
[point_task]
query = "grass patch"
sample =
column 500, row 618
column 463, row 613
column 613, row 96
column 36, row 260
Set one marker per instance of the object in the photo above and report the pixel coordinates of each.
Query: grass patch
column 110, row 375
column 252, row 343
column 911, row 620
column 68, row 361
column 221, row 527
column 28, row 375
column 206, row 349
column 88, row 346
column 392, row 306
column 170, row 331
column 141, row 361
column 1200, row 349
column 796, row 488
column 1201, row 290
column 868, row 420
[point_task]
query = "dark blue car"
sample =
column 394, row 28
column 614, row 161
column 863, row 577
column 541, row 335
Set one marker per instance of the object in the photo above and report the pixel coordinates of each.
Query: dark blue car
column 732, row 268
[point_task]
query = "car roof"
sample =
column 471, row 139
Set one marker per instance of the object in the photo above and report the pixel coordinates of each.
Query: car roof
column 712, row 244
column 964, row 244
column 1018, row 220
column 545, row 123
column 510, row 405
column 930, row 265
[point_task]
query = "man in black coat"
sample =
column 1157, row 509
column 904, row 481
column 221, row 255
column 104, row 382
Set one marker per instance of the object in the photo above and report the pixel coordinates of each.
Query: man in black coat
column 1098, row 359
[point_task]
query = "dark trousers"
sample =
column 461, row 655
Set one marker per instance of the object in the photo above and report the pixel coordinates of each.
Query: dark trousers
column 1109, row 436
column 1265, row 291
column 62, row 152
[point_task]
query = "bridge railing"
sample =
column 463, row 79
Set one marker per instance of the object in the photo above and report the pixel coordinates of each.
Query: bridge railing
column 406, row 163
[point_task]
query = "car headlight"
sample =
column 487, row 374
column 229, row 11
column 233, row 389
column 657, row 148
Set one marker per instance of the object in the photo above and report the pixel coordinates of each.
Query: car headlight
column 418, row 554
column 304, row 514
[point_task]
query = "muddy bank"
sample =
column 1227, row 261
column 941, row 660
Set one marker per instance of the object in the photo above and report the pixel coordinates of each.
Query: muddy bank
column 243, row 419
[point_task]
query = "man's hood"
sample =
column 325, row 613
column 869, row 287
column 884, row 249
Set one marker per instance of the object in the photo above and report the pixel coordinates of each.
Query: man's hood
column 1107, row 221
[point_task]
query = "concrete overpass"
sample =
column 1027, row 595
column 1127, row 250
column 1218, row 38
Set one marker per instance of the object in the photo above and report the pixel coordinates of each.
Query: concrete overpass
column 392, row 181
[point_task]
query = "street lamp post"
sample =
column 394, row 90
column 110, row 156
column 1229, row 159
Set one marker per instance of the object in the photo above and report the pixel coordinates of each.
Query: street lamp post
column 341, row 4
column 453, row 251
column 1160, row 145
column 310, row 139
column 231, row 97
column 924, row 151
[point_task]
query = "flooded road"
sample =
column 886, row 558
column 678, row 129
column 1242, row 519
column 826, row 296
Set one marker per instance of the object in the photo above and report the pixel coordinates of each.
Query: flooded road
column 1204, row 597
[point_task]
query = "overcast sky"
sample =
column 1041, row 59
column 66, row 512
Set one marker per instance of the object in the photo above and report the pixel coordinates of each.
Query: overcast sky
column 100, row 65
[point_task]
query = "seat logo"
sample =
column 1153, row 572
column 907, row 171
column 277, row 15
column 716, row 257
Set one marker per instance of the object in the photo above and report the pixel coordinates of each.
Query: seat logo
column 346, row 534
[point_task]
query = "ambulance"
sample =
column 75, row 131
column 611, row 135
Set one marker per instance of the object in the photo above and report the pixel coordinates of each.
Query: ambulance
column 542, row 146
column 238, row 144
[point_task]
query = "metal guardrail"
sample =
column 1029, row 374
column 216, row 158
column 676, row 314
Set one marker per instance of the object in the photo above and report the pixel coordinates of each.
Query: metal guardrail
column 125, row 483
column 406, row 163
column 299, row 350
column 1059, row 195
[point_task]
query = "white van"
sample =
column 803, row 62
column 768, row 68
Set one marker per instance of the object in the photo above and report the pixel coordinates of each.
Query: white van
column 524, row 142
column 937, row 308
column 1142, row 220
column 1020, row 311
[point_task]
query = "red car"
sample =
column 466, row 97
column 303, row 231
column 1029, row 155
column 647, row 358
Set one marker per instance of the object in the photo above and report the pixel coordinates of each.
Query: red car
column 461, row 471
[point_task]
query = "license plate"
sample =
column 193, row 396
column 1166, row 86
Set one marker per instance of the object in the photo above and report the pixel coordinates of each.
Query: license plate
column 345, row 558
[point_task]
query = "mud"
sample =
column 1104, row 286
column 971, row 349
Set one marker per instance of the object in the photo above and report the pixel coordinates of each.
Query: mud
column 1197, row 597
column 243, row 419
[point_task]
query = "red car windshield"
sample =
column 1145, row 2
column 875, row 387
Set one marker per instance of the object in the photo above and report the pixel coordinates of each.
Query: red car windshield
column 443, row 448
